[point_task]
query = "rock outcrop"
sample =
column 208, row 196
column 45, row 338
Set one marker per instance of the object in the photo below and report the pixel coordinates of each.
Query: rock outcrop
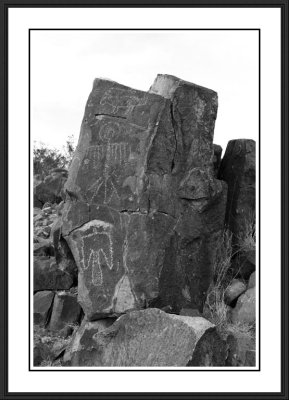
column 238, row 170
column 148, row 338
column 143, row 210
column 137, row 266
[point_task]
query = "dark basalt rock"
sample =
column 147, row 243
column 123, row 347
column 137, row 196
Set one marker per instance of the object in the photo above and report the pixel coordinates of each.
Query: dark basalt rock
column 143, row 210
column 48, row 276
column 42, row 303
column 238, row 170
column 146, row 338
column 49, row 190
column 66, row 310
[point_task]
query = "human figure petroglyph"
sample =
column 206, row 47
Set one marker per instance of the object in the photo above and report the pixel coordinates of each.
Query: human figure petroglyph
column 97, row 249
column 105, row 158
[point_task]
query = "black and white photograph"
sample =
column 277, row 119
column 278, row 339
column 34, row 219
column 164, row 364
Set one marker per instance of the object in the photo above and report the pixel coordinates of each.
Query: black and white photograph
column 144, row 227
column 146, row 211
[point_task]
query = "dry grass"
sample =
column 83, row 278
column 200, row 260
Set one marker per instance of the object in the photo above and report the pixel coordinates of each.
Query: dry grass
column 247, row 240
column 215, row 308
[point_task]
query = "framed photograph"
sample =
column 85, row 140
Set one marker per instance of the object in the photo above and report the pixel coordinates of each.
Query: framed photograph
column 145, row 200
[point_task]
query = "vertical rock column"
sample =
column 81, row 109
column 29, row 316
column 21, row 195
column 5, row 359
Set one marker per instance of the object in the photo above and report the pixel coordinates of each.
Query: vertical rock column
column 238, row 170
column 201, row 197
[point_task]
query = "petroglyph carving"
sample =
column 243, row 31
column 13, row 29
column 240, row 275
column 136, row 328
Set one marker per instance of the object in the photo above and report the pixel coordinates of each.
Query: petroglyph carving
column 97, row 249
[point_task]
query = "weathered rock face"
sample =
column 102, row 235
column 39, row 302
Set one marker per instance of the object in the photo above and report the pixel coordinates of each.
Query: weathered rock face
column 143, row 209
column 48, row 276
column 238, row 170
column 217, row 158
column 65, row 310
column 42, row 303
column 147, row 338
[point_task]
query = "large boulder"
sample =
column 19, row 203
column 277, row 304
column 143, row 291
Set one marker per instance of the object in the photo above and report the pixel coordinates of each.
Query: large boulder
column 148, row 338
column 143, row 210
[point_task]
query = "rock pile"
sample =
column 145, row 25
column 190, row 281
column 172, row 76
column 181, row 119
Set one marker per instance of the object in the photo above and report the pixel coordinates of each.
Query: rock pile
column 145, row 205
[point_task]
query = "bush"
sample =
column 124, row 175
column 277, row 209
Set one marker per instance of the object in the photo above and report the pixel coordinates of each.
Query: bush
column 45, row 159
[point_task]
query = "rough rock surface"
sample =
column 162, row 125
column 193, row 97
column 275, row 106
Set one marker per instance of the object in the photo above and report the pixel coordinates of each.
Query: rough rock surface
column 50, row 188
column 42, row 302
column 245, row 310
column 234, row 290
column 217, row 158
column 148, row 338
column 241, row 350
column 143, row 210
column 65, row 310
column 238, row 170
column 81, row 348
column 252, row 281
column 48, row 276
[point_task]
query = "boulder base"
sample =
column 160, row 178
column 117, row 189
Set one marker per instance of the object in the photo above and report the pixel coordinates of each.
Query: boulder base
column 148, row 338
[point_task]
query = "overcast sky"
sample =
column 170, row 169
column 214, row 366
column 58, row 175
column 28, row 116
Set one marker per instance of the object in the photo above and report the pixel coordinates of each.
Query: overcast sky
column 65, row 63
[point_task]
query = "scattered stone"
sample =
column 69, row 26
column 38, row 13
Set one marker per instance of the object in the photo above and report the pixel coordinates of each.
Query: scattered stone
column 148, row 338
column 44, row 248
column 48, row 276
column 42, row 302
column 66, row 310
column 233, row 291
column 252, row 281
column 245, row 310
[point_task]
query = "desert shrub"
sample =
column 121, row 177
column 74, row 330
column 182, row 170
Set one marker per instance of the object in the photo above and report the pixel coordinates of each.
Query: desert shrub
column 215, row 308
column 45, row 158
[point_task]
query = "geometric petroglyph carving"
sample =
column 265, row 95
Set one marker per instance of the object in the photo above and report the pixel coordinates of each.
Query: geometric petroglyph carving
column 113, row 153
column 97, row 249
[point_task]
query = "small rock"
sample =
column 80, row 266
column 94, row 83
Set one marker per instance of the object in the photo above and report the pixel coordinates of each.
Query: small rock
column 234, row 290
column 65, row 310
column 48, row 276
column 252, row 281
column 245, row 310
column 65, row 332
column 42, row 302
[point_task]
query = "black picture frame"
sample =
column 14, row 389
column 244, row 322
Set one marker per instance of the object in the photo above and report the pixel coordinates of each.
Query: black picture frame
column 5, row 5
